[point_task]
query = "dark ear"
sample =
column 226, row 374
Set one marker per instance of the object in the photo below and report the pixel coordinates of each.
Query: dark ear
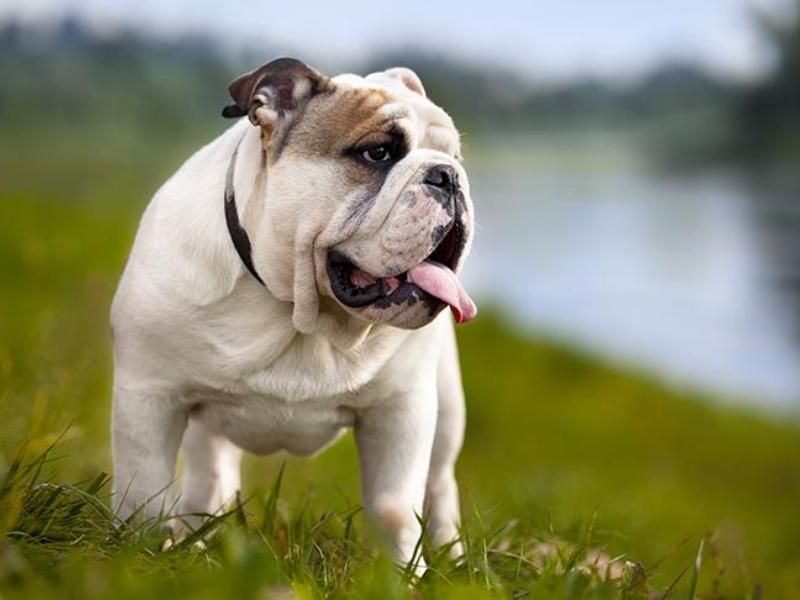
column 273, row 91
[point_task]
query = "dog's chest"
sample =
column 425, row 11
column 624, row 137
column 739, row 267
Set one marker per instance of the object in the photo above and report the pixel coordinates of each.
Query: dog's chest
column 269, row 392
column 294, row 369
column 299, row 401
column 263, row 425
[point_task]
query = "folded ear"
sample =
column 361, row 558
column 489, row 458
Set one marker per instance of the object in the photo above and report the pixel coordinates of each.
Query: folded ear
column 408, row 78
column 274, row 91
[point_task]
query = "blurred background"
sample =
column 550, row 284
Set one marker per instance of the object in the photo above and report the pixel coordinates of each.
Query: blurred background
column 636, row 172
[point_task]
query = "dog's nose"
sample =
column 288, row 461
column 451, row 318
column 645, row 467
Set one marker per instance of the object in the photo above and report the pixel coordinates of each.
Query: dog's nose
column 440, row 176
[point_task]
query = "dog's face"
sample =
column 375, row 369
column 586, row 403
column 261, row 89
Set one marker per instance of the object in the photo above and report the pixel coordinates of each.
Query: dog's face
column 366, row 206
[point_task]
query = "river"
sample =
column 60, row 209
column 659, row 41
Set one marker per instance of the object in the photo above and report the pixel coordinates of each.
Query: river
column 691, row 276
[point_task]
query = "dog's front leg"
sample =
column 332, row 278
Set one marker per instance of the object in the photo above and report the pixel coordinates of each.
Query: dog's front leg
column 394, row 445
column 147, row 428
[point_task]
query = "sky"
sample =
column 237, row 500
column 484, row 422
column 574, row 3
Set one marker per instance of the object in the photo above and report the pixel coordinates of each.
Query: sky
column 542, row 39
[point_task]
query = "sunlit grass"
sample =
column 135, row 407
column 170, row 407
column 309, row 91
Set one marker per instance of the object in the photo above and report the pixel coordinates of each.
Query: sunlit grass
column 60, row 534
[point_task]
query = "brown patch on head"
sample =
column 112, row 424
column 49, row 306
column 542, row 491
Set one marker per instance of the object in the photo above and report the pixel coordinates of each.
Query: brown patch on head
column 354, row 117
column 349, row 118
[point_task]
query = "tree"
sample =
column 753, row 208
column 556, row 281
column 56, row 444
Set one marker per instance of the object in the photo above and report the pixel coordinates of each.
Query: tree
column 770, row 112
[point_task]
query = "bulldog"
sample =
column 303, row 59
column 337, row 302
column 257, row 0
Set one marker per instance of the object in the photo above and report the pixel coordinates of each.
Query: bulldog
column 287, row 283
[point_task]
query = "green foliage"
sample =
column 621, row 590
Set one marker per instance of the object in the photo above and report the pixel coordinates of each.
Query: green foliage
column 123, row 81
column 62, row 540
column 72, row 89
column 770, row 111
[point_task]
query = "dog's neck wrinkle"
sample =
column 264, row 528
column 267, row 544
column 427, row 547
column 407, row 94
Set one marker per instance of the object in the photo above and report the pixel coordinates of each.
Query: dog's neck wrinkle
column 346, row 334
column 251, row 165
column 251, row 206
column 247, row 180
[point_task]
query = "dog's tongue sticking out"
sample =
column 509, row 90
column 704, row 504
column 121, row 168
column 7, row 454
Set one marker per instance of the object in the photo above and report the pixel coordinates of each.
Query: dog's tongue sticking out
column 440, row 281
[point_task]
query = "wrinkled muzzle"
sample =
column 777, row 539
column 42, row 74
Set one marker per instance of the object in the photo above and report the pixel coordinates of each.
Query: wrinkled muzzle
column 400, row 263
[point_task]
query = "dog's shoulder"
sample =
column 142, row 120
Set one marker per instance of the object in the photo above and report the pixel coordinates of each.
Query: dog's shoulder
column 182, row 251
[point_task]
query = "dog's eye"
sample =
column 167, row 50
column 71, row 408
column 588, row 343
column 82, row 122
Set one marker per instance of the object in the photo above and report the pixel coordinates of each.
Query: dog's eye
column 377, row 154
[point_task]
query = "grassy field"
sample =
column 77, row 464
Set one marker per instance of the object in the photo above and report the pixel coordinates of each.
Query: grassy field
column 578, row 479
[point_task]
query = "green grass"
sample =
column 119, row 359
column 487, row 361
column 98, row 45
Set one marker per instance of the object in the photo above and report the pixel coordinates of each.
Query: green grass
column 65, row 536
column 568, row 463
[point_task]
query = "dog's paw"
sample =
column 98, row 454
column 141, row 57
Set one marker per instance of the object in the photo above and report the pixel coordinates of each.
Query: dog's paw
column 404, row 530
column 179, row 531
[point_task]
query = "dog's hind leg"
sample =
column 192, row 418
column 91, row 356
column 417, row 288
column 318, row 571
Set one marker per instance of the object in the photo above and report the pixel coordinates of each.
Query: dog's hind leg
column 441, row 494
column 211, row 473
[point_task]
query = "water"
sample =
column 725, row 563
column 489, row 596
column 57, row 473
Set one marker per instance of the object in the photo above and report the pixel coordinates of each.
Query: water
column 692, row 277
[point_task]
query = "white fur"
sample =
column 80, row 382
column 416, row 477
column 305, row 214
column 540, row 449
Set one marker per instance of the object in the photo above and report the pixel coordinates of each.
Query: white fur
column 208, row 358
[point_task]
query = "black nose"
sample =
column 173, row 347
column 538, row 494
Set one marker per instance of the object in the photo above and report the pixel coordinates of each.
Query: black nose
column 440, row 176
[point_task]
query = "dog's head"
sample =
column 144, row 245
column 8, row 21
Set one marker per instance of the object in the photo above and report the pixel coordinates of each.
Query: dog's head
column 366, row 206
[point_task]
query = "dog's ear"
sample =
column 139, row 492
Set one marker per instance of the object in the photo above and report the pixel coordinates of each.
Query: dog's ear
column 408, row 78
column 274, row 91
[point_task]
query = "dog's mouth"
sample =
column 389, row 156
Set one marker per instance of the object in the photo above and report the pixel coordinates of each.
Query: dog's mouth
column 432, row 281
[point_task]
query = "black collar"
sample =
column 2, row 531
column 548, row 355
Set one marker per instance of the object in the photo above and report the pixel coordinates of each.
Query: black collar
column 238, row 235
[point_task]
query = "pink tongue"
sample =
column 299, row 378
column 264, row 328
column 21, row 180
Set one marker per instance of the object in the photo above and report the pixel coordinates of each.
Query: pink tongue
column 440, row 281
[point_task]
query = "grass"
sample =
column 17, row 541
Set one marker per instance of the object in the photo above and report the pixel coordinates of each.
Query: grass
column 65, row 535
column 578, row 479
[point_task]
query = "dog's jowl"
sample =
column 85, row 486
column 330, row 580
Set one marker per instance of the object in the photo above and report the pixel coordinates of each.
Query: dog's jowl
column 288, row 282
